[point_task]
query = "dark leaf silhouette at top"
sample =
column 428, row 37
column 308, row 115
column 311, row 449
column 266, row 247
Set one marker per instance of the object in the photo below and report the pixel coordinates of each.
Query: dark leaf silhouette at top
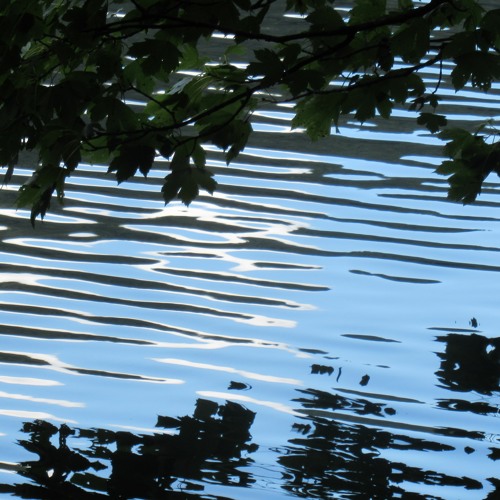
column 120, row 82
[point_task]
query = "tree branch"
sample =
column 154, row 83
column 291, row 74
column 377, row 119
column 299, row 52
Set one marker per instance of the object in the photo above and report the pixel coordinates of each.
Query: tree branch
column 347, row 30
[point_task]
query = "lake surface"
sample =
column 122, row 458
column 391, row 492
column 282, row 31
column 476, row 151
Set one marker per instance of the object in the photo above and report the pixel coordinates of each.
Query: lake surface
column 325, row 326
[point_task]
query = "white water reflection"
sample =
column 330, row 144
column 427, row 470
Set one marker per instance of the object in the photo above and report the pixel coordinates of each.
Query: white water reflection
column 26, row 397
column 245, row 374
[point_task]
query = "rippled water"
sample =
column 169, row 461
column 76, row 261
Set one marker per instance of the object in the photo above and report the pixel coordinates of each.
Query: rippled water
column 325, row 326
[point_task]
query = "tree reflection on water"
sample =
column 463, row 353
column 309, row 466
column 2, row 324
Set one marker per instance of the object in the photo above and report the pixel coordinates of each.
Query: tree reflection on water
column 209, row 446
column 470, row 363
column 330, row 453
column 346, row 458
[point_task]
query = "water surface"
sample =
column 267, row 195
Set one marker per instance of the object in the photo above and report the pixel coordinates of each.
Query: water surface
column 325, row 326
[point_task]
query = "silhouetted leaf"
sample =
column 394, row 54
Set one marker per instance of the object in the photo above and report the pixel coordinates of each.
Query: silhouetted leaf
column 172, row 185
column 432, row 121
column 317, row 114
column 411, row 40
column 479, row 67
column 240, row 132
column 268, row 66
column 130, row 159
column 204, row 179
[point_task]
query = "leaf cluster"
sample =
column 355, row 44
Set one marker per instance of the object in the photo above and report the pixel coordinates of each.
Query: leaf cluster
column 472, row 158
column 71, row 72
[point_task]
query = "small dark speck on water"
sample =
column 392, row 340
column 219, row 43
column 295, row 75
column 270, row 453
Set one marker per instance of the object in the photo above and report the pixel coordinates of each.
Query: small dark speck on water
column 239, row 386
column 322, row 369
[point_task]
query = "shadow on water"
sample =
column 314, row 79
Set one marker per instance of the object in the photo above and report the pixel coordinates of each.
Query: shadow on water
column 350, row 447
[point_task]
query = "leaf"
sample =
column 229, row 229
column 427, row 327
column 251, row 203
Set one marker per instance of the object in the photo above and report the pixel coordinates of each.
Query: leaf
column 173, row 183
column 367, row 10
column 166, row 148
column 385, row 57
column 290, row 53
column 384, row 107
column 100, row 108
column 190, row 90
column 180, row 161
column 268, row 66
column 8, row 174
column 198, row 155
column 236, row 50
column 249, row 25
column 41, row 205
column 108, row 61
column 71, row 153
column 156, row 54
column 121, row 118
column 135, row 76
column 459, row 138
column 190, row 58
column 447, row 167
column 325, row 17
column 189, row 189
column 415, row 84
column 230, row 134
column 432, row 121
column 306, row 79
column 491, row 25
column 472, row 160
column 366, row 100
column 37, row 191
column 405, row 4
column 204, row 178
column 433, row 100
column 480, row 67
column 241, row 131
column 397, row 88
column 184, row 181
column 465, row 186
column 129, row 159
column 229, row 76
column 460, row 43
column 317, row 113
column 411, row 40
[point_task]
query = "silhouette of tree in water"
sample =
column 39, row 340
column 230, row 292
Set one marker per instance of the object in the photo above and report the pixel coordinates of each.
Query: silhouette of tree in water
column 209, row 446
column 470, row 363
column 328, row 455
column 337, row 448
column 332, row 455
